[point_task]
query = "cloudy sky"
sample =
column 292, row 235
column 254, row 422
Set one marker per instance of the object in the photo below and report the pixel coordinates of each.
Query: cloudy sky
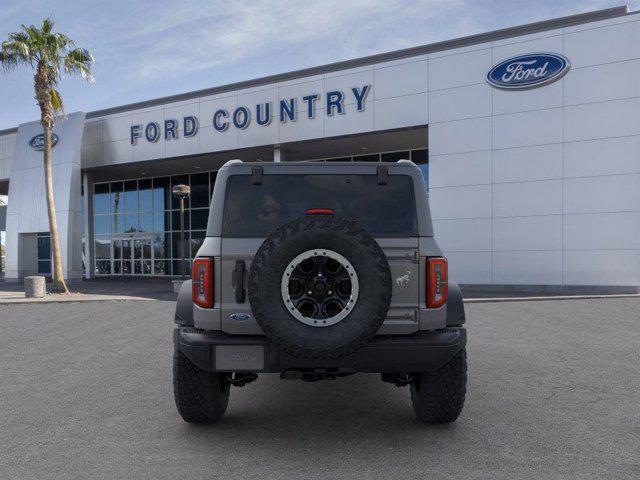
column 147, row 49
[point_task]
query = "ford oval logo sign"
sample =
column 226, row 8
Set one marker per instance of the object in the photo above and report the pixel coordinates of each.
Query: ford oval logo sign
column 37, row 142
column 528, row 71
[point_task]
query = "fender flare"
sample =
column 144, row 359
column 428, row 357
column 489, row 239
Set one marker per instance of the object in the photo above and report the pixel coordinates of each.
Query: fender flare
column 184, row 306
column 455, row 306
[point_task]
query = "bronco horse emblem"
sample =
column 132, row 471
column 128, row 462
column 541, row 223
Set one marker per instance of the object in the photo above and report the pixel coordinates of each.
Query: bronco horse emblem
column 403, row 280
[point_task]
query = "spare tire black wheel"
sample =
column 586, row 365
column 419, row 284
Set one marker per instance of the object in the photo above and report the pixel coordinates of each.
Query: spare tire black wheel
column 320, row 287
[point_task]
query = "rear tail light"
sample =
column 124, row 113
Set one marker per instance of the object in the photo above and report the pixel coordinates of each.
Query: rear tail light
column 202, row 282
column 437, row 282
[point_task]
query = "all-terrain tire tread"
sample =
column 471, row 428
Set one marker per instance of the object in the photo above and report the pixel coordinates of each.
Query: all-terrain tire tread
column 327, row 224
column 199, row 395
column 438, row 397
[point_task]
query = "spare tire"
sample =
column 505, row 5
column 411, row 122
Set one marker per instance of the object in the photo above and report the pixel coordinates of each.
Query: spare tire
column 320, row 287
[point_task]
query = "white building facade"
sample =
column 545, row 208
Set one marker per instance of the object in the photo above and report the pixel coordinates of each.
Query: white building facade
column 532, row 182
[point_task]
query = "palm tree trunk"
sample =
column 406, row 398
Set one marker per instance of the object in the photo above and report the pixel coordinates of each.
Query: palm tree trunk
column 59, row 285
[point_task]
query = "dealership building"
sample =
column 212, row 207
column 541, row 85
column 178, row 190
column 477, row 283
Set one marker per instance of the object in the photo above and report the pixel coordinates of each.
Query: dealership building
column 528, row 139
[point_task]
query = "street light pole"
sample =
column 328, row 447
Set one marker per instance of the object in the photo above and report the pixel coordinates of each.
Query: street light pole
column 181, row 192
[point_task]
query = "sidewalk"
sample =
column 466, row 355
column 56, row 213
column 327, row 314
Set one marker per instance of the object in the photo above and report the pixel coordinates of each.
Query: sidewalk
column 96, row 290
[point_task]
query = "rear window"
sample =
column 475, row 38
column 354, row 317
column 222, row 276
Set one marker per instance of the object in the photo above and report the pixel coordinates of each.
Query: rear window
column 382, row 210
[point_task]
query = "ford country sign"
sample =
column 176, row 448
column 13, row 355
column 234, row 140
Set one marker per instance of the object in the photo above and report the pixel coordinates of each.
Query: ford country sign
column 528, row 71
column 37, row 142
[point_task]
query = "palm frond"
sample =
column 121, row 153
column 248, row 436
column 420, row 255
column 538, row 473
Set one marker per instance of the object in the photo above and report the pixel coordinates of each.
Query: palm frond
column 56, row 101
column 79, row 60
column 47, row 25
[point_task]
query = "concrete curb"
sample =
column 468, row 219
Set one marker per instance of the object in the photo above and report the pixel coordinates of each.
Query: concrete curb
column 548, row 298
column 73, row 299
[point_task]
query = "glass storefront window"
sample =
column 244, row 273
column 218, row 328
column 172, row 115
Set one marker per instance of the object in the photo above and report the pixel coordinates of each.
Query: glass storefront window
column 200, row 190
column 175, row 244
column 130, row 210
column 145, row 222
column 117, row 192
column 145, row 195
column 197, row 238
column 101, row 198
column 117, row 223
column 421, row 158
column 131, row 223
column 161, row 194
column 103, row 247
column 175, row 220
column 160, row 221
column 199, row 218
column 131, row 196
column 102, row 225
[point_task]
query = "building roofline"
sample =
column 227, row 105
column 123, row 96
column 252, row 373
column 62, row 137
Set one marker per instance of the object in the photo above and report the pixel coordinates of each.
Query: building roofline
column 494, row 35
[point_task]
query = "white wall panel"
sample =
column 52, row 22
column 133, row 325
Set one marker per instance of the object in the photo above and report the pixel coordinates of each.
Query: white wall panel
column 460, row 103
column 599, row 83
column 542, row 232
column 117, row 152
column 540, row 162
column 8, row 146
column 255, row 134
column 345, row 82
column 303, row 128
column 117, row 128
column 603, row 45
column 213, row 140
column 460, row 136
column 457, row 169
column 509, row 101
column 459, row 70
column 398, row 112
column 352, row 121
column 602, row 157
column 91, row 155
column 548, row 42
column 527, row 198
column 402, row 79
column 210, row 105
column 460, row 202
column 601, row 120
column 612, row 193
column 602, row 231
column 527, row 268
column 464, row 235
column 602, row 267
column 527, row 128
column 92, row 132
column 469, row 267
column 298, row 89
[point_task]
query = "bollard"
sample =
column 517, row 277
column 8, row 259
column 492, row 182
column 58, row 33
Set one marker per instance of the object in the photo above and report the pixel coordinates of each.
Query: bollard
column 34, row 287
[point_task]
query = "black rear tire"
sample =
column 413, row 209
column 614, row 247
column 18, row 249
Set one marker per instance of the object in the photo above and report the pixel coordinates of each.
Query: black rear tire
column 438, row 397
column 201, row 397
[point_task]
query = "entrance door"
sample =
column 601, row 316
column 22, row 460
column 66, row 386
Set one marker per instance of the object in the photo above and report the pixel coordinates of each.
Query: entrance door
column 142, row 256
column 133, row 255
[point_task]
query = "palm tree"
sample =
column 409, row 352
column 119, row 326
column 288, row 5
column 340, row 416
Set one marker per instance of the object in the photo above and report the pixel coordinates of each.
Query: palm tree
column 47, row 53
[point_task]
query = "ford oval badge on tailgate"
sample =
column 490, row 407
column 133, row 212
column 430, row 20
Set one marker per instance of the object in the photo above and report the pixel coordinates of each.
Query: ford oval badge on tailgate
column 240, row 316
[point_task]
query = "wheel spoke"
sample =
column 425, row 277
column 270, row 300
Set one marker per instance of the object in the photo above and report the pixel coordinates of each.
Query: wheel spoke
column 319, row 287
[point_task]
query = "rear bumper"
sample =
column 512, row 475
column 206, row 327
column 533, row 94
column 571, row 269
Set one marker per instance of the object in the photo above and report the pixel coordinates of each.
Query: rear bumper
column 420, row 352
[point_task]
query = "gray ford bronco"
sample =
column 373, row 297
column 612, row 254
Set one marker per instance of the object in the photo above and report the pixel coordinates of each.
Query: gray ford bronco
column 317, row 271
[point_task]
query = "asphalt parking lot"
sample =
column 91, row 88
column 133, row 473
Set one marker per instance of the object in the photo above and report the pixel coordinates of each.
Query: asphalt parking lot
column 554, row 390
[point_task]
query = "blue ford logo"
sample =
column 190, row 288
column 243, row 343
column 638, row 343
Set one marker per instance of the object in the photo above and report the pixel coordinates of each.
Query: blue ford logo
column 37, row 142
column 240, row 316
column 528, row 71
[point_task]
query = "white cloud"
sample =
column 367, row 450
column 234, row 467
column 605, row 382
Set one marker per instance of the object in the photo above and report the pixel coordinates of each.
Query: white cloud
column 241, row 31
